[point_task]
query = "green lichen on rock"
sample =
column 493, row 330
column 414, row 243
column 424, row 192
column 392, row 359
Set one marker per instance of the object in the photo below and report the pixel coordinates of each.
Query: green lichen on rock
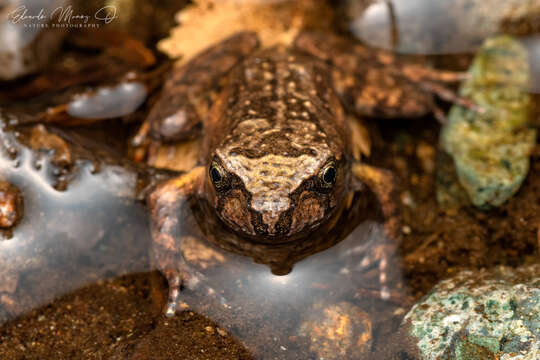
column 478, row 316
column 491, row 148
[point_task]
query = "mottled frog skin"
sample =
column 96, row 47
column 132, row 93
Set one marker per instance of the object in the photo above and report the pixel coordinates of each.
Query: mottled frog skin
column 279, row 171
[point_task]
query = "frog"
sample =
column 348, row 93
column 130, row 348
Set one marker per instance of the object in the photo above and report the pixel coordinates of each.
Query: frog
column 280, row 169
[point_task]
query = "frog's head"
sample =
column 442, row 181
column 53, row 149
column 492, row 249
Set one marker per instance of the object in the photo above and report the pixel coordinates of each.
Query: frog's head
column 274, row 196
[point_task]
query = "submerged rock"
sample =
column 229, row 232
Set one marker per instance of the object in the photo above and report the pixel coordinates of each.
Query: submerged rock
column 475, row 316
column 491, row 148
column 337, row 331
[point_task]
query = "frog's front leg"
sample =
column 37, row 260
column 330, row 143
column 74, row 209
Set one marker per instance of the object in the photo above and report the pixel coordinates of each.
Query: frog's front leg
column 377, row 82
column 169, row 209
column 382, row 183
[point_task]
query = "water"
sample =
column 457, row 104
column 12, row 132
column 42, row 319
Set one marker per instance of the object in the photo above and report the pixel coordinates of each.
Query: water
column 75, row 236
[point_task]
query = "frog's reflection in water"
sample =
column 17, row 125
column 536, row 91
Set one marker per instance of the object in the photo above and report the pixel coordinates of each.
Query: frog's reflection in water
column 328, row 304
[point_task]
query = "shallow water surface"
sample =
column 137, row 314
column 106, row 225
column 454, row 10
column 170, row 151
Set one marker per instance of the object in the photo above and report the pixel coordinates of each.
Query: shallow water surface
column 75, row 236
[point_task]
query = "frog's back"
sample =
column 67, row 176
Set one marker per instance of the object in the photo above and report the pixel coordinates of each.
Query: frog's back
column 278, row 101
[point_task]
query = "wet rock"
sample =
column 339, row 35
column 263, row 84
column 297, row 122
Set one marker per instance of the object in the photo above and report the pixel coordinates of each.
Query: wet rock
column 491, row 148
column 484, row 315
column 11, row 205
column 28, row 36
column 437, row 27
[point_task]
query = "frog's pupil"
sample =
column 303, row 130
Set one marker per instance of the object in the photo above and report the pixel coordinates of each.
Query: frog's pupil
column 329, row 175
column 215, row 175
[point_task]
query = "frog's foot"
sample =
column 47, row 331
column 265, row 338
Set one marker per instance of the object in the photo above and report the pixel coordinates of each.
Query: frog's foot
column 185, row 277
column 379, row 255
column 418, row 73
column 448, row 95
column 178, row 278
column 376, row 265
column 381, row 251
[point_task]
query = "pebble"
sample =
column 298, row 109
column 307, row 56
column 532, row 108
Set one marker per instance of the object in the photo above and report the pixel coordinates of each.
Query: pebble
column 11, row 204
column 109, row 102
column 338, row 331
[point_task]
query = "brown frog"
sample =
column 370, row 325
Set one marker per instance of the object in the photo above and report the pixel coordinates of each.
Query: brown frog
column 279, row 172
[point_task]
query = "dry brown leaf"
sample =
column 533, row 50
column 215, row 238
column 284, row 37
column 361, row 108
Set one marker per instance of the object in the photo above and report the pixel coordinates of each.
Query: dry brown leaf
column 179, row 157
column 207, row 22
column 361, row 139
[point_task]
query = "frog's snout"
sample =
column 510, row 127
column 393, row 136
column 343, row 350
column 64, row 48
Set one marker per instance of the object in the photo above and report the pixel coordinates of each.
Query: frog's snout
column 270, row 217
column 305, row 214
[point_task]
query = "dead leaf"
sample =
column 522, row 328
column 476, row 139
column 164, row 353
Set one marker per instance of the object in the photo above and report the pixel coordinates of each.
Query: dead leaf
column 207, row 22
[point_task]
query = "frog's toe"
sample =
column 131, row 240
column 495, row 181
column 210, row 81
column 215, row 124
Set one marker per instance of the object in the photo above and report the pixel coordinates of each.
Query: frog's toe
column 174, row 295
column 381, row 255
column 172, row 306
column 215, row 295
column 196, row 283
column 193, row 281
column 183, row 278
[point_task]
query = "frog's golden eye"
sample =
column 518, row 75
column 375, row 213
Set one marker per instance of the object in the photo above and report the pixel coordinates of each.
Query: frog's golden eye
column 328, row 175
column 217, row 175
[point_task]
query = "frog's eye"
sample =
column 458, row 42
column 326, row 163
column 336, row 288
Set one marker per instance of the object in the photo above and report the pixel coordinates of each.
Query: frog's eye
column 328, row 175
column 217, row 175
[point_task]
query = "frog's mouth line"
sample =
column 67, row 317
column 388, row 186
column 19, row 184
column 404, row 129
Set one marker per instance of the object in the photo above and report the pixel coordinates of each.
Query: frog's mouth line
column 284, row 239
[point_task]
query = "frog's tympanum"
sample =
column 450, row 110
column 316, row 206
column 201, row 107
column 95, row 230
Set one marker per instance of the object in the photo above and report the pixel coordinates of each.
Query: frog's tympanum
column 279, row 169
